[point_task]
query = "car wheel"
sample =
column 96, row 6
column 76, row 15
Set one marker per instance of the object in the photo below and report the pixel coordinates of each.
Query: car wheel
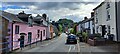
column 67, row 42
column 75, row 42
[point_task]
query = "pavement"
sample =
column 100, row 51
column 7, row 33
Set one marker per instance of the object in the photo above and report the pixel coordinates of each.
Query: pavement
column 87, row 49
column 58, row 46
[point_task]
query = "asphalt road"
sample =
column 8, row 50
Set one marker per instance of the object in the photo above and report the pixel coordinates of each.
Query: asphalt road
column 56, row 45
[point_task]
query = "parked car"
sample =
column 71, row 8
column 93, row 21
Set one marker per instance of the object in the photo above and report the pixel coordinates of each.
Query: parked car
column 71, row 39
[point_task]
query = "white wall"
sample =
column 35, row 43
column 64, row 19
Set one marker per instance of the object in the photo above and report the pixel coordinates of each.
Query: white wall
column 86, row 24
column 112, row 22
column 45, row 23
column 102, row 17
column 91, row 27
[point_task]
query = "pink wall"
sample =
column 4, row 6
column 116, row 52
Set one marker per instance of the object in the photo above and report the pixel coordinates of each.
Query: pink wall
column 10, row 36
column 24, row 28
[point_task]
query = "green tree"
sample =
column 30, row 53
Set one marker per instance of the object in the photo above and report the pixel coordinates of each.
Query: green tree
column 75, row 29
column 72, row 30
column 66, row 22
column 60, row 28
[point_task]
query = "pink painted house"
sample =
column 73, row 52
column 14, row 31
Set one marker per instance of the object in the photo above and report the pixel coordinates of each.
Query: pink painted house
column 34, row 31
column 24, row 24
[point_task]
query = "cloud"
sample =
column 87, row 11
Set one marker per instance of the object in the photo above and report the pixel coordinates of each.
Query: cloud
column 55, row 10
column 32, row 7
column 51, row 0
column 45, row 5
column 48, row 5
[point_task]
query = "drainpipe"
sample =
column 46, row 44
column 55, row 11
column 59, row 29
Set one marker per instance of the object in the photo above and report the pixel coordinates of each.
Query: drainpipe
column 12, row 37
column 116, row 20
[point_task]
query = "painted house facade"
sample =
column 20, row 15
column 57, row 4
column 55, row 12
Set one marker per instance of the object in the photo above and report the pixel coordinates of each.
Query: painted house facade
column 51, row 31
column 3, row 34
column 35, row 32
column 43, row 20
column 107, row 19
column 55, row 31
column 11, row 18
column 23, row 23
column 86, row 25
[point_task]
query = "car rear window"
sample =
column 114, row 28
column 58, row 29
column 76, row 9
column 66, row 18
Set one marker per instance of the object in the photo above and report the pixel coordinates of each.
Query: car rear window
column 71, row 37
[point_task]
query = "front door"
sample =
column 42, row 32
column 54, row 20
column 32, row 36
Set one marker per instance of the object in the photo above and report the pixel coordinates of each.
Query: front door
column 41, row 36
column 21, row 41
column 103, row 30
column 29, row 37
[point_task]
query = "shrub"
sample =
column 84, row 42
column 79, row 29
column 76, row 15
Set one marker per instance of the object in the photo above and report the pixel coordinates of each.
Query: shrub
column 84, row 35
column 98, row 35
column 72, row 31
column 78, row 33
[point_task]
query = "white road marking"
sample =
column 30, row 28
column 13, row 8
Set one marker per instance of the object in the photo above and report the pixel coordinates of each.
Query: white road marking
column 78, row 46
column 69, row 49
column 74, row 48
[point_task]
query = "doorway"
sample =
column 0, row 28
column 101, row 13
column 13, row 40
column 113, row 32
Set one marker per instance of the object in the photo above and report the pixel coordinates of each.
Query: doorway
column 29, row 37
column 41, row 36
column 21, row 41
column 103, row 30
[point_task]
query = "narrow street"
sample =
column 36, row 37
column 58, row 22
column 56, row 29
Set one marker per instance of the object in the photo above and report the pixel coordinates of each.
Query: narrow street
column 55, row 45
column 43, row 27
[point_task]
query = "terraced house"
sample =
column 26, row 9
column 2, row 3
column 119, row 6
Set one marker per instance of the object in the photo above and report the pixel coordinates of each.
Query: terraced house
column 3, row 33
column 86, row 25
column 23, row 27
column 107, row 19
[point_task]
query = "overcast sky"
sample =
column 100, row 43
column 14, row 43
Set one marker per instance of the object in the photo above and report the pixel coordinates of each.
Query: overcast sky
column 55, row 9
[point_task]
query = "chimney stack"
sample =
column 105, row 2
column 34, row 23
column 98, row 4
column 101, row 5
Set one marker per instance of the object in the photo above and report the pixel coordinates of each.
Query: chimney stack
column 45, row 16
column 92, row 14
column 85, row 18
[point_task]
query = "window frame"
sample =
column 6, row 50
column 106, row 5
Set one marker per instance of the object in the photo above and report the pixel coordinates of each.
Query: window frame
column 108, row 15
column 109, row 27
column 107, row 5
column 17, row 29
column 43, row 32
column 38, row 31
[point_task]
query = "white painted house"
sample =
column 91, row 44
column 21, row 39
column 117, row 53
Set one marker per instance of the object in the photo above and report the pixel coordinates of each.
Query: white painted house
column 106, row 19
column 86, row 26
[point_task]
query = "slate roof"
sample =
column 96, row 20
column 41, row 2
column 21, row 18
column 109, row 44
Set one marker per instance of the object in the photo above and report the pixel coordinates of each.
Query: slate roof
column 9, row 16
column 84, row 21
column 12, row 17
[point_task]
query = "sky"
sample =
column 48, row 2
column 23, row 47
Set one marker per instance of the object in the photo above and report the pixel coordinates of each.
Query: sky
column 56, row 9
